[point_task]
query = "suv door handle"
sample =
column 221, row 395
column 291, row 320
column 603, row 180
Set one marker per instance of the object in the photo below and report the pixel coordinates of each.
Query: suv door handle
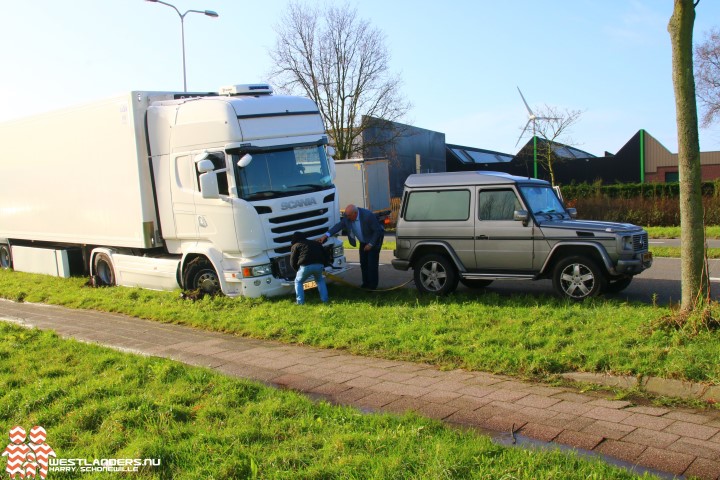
column 482, row 237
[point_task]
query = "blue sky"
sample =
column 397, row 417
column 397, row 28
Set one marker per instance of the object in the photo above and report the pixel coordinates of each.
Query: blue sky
column 460, row 60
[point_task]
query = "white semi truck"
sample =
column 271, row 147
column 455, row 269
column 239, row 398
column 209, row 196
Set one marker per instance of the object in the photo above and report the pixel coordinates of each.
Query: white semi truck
column 165, row 189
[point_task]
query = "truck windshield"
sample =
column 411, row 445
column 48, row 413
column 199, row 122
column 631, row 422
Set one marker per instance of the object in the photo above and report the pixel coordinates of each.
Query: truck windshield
column 279, row 173
column 542, row 201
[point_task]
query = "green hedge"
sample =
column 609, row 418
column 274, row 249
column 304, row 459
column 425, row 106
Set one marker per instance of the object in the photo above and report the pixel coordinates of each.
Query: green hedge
column 646, row 204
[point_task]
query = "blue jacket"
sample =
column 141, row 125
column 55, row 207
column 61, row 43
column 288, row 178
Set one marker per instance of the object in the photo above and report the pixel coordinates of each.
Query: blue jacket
column 372, row 230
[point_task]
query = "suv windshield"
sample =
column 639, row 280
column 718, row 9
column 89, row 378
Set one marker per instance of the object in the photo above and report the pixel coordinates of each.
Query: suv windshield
column 279, row 173
column 542, row 200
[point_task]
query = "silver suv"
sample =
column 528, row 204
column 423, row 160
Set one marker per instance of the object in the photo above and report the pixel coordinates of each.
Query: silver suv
column 476, row 227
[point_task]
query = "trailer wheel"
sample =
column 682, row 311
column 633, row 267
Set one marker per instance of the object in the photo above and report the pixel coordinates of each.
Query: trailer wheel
column 200, row 275
column 104, row 270
column 5, row 258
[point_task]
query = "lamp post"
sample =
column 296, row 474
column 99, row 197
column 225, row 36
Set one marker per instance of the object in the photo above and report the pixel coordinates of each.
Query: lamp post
column 209, row 13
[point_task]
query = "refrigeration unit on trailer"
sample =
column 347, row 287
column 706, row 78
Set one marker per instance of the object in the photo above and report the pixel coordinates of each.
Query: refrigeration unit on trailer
column 166, row 189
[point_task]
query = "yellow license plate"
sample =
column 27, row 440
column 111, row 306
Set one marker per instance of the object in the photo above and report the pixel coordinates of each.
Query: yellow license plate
column 309, row 285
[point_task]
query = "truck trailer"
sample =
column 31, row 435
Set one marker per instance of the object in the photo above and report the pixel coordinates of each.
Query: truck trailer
column 168, row 190
column 365, row 183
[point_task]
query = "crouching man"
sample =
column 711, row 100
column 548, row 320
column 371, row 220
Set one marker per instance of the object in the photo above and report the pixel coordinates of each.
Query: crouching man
column 308, row 259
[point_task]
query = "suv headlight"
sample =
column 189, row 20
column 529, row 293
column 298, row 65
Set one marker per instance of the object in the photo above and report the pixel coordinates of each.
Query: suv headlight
column 338, row 251
column 257, row 271
column 627, row 243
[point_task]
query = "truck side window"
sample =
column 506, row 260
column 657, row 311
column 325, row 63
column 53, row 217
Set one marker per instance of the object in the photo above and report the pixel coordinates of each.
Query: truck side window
column 442, row 205
column 497, row 204
column 218, row 160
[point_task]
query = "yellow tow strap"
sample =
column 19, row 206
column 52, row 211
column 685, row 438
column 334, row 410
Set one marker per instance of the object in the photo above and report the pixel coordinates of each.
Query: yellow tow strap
column 342, row 281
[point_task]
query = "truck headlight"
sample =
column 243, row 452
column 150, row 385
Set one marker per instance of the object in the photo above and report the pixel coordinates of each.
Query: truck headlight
column 257, row 271
column 338, row 251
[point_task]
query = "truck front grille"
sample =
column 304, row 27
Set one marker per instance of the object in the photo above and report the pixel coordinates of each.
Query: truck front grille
column 640, row 242
column 312, row 223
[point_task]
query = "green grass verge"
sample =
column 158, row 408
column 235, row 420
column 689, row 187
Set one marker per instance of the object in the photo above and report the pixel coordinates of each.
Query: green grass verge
column 98, row 403
column 523, row 335
column 674, row 252
column 674, row 232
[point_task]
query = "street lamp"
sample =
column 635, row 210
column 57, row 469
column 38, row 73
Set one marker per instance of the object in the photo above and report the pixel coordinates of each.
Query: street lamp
column 209, row 13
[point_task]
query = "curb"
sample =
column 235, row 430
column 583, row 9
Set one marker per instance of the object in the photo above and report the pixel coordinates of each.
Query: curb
column 654, row 385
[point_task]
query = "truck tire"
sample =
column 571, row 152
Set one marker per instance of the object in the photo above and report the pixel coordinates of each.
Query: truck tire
column 200, row 275
column 475, row 283
column 435, row 274
column 104, row 271
column 578, row 278
column 617, row 286
column 5, row 257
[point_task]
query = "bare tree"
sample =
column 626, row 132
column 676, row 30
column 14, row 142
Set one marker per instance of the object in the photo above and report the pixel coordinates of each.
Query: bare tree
column 694, row 278
column 552, row 127
column 707, row 76
column 342, row 63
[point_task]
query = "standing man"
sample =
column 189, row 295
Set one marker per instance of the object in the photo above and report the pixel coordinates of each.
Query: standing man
column 308, row 259
column 363, row 225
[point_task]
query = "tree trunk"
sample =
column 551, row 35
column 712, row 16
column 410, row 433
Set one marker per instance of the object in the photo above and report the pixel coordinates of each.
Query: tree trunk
column 693, row 275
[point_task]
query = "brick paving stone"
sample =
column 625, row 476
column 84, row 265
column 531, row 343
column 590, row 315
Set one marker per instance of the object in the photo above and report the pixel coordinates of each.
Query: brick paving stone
column 399, row 389
column 377, row 400
column 651, row 438
column 330, row 388
column 298, row 382
column 688, row 417
column 716, row 438
column 703, row 469
column 537, row 414
column 654, row 411
column 351, row 396
column 540, row 432
column 476, row 391
column 648, row 421
column 538, row 401
column 574, row 397
column 614, row 431
column 420, row 381
column 351, row 368
column 692, row 430
column 363, row 382
column 545, row 391
column 573, row 408
column 337, row 377
column 585, row 441
column 511, row 385
column 298, row 369
column 506, row 395
column 396, row 376
column 449, row 385
column 609, row 414
column 568, row 422
column 465, row 417
column 504, row 423
column 614, row 404
column 404, row 404
column 693, row 446
column 494, row 410
column 440, row 397
column 665, row 461
column 436, row 411
column 628, row 452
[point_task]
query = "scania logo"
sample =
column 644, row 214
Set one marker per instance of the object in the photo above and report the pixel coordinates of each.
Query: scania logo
column 305, row 202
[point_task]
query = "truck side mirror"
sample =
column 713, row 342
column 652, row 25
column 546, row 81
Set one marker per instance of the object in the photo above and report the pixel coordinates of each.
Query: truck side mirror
column 245, row 160
column 205, row 166
column 209, row 185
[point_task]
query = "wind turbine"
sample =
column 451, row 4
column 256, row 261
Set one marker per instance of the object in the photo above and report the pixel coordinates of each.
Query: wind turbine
column 531, row 118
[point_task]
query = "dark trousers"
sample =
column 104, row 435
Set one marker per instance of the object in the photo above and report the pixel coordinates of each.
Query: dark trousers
column 369, row 265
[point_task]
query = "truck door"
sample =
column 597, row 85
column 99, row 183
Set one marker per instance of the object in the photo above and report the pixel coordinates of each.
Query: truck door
column 215, row 219
column 501, row 243
column 184, row 190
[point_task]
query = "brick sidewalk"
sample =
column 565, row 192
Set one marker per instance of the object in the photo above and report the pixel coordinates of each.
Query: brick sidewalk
column 675, row 441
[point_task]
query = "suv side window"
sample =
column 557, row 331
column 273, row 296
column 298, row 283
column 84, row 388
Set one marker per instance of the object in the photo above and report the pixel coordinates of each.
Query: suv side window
column 497, row 204
column 439, row 205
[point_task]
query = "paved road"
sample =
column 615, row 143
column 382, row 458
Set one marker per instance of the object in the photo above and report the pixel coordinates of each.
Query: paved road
column 660, row 284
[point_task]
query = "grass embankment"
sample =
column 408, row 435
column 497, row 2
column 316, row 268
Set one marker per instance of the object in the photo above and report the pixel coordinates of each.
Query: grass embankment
column 96, row 403
column 525, row 335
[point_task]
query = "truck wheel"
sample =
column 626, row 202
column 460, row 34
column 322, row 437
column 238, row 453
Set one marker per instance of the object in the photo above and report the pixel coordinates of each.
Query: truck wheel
column 475, row 283
column 200, row 275
column 578, row 278
column 104, row 271
column 617, row 286
column 435, row 274
column 5, row 258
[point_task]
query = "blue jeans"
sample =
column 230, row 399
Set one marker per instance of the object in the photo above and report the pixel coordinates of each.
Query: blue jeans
column 306, row 271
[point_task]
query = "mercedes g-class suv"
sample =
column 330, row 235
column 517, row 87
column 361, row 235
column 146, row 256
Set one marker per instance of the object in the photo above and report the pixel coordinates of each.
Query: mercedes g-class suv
column 476, row 227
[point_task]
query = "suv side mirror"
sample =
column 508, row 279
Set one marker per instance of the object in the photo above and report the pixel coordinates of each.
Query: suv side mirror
column 521, row 215
column 572, row 212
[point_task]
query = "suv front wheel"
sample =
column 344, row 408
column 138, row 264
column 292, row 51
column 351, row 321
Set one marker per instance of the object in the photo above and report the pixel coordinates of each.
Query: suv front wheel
column 435, row 274
column 578, row 278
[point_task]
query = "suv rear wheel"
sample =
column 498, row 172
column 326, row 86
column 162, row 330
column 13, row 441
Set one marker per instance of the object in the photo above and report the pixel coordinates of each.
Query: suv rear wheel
column 578, row 278
column 435, row 274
